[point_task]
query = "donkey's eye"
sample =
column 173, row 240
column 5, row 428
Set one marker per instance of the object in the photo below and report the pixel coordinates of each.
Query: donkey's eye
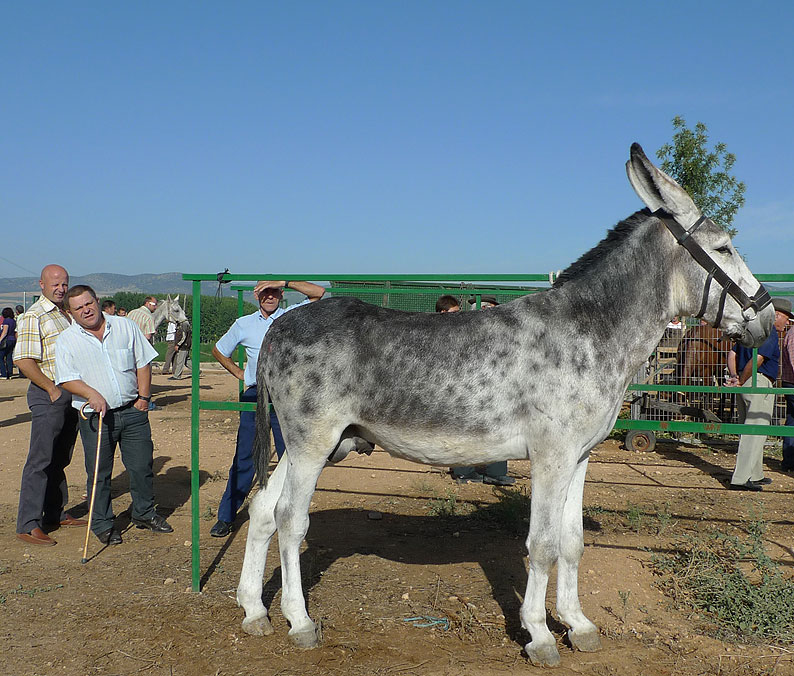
column 724, row 250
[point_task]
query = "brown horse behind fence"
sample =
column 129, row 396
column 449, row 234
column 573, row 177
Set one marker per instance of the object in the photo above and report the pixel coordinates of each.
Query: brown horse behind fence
column 702, row 356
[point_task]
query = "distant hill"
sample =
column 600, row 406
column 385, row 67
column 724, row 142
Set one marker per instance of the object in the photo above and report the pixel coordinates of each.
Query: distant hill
column 107, row 283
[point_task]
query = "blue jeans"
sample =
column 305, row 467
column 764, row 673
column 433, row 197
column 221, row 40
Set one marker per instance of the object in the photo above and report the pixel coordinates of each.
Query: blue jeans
column 788, row 442
column 7, row 360
column 241, row 473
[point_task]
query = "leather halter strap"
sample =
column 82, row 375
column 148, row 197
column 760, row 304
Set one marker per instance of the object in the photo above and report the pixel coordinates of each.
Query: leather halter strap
column 756, row 302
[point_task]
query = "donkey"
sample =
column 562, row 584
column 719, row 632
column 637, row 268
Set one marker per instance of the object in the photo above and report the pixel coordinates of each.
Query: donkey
column 558, row 363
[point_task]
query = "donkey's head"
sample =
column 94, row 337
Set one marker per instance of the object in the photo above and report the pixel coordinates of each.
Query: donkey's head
column 709, row 279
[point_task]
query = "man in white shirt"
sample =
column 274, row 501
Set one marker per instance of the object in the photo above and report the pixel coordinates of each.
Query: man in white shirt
column 104, row 361
column 249, row 331
column 170, row 333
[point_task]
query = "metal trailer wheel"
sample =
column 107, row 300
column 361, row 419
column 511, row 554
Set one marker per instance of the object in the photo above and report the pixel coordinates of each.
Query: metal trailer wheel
column 643, row 441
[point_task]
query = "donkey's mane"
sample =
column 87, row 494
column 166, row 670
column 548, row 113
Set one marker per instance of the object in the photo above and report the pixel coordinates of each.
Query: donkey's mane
column 615, row 237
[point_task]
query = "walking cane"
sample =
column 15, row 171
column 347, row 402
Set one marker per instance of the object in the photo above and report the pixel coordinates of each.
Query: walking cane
column 93, row 487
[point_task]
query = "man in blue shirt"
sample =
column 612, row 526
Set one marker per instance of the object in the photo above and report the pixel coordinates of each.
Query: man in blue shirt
column 756, row 409
column 249, row 331
column 104, row 361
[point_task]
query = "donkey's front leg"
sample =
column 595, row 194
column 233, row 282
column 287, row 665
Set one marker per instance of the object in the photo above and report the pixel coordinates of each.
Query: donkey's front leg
column 292, row 520
column 583, row 634
column 261, row 527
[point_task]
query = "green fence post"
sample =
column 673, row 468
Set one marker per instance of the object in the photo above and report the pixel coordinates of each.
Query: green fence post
column 195, row 365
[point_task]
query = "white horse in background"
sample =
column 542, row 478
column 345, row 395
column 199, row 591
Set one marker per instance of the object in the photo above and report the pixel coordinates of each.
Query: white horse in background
column 170, row 310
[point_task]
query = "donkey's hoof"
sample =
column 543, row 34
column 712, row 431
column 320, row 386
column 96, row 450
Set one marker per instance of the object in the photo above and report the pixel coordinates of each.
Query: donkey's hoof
column 305, row 639
column 258, row 626
column 586, row 641
column 542, row 655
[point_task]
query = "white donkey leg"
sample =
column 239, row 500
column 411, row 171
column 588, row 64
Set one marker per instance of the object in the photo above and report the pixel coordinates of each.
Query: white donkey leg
column 292, row 520
column 583, row 634
column 549, row 487
column 261, row 527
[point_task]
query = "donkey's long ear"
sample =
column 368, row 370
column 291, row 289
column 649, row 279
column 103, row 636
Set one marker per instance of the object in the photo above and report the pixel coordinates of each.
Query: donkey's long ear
column 658, row 190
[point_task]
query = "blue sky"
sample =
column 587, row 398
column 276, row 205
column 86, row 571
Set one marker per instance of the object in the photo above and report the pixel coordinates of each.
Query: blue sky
column 372, row 137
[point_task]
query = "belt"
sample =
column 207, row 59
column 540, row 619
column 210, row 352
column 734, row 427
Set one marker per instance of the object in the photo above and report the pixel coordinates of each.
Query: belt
column 123, row 406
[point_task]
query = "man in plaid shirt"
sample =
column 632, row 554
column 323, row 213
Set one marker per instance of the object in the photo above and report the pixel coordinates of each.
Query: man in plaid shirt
column 44, row 493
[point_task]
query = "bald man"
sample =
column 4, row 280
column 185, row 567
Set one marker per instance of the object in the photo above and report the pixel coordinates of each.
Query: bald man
column 43, row 494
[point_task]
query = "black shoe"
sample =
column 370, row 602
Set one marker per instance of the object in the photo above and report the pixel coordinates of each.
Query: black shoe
column 156, row 523
column 763, row 482
column 748, row 486
column 503, row 480
column 221, row 529
column 109, row 537
column 173, row 378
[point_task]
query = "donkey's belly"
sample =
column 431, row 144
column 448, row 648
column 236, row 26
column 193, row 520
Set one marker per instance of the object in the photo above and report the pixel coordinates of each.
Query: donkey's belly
column 451, row 449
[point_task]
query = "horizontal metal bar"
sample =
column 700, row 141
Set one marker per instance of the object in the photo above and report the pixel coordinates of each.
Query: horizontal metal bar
column 707, row 427
column 374, row 278
column 648, row 387
column 227, row 405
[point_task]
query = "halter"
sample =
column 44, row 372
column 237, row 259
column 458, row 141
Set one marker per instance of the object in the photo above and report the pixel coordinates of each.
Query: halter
column 751, row 305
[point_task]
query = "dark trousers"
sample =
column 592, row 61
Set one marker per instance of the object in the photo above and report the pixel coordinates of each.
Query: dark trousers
column 169, row 357
column 7, row 360
column 241, row 473
column 43, row 493
column 129, row 428
column 788, row 442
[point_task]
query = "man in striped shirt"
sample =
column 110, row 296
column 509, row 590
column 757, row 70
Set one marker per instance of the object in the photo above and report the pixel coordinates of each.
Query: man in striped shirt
column 105, row 362
column 43, row 493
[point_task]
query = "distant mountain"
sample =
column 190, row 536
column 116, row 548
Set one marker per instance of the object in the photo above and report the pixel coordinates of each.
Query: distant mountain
column 107, row 283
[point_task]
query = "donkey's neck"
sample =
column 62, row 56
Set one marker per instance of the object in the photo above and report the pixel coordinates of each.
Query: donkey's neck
column 623, row 295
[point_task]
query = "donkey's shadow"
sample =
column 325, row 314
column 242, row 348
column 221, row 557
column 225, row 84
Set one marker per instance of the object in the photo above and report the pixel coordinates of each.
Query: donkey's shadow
column 337, row 534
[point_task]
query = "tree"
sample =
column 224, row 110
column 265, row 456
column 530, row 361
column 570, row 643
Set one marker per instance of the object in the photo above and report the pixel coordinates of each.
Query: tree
column 703, row 173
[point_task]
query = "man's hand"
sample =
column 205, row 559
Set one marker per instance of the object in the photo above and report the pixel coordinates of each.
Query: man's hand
column 55, row 393
column 97, row 403
column 270, row 284
column 141, row 405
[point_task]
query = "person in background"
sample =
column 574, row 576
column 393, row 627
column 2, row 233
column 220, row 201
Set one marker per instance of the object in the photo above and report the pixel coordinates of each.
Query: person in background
column 787, row 377
column 182, row 344
column 756, row 409
column 8, row 339
column 170, row 332
column 19, row 311
column 143, row 316
column 249, row 331
column 447, row 303
column 122, row 312
column 109, row 307
column 44, row 492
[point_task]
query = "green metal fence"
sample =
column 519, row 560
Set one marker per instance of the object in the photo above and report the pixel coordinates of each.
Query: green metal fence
column 419, row 293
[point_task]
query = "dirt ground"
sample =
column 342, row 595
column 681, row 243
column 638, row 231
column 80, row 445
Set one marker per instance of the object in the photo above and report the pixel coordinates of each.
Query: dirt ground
column 375, row 556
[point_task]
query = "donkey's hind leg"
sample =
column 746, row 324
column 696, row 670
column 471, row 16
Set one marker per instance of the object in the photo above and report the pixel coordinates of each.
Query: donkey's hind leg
column 261, row 527
column 583, row 634
column 292, row 520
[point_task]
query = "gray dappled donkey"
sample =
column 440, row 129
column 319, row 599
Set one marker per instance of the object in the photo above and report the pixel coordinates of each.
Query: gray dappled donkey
column 547, row 385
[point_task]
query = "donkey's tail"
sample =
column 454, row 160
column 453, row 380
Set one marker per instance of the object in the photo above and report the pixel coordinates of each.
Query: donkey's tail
column 262, row 451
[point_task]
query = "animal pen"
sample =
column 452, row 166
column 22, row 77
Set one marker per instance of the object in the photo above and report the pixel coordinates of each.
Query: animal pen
column 678, row 389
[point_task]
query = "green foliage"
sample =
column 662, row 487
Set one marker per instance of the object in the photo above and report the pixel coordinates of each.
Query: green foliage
column 511, row 510
column 732, row 581
column 446, row 506
column 703, row 173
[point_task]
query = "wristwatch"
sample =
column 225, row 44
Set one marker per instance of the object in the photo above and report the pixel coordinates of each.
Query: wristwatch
column 145, row 398
column 286, row 284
